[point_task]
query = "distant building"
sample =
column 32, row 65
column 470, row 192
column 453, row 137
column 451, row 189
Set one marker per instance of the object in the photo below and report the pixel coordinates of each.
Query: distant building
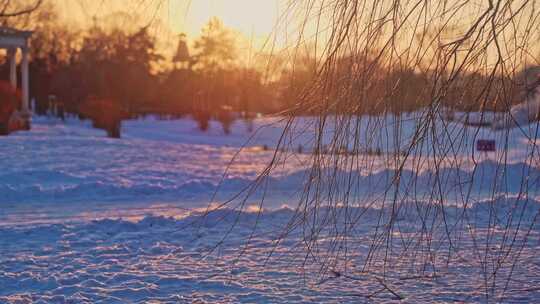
column 12, row 40
column 182, row 52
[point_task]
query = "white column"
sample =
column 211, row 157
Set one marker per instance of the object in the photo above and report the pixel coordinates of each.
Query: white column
column 12, row 55
column 25, row 84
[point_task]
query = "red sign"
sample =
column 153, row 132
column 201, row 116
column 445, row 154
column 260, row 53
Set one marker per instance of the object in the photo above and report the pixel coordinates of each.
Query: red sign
column 485, row 145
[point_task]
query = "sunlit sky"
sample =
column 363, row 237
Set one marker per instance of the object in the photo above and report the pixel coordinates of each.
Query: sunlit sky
column 251, row 18
column 254, row 20
column 246, row 16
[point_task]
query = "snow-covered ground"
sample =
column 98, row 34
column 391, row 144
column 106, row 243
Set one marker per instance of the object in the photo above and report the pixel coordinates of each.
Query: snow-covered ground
column 85, row 218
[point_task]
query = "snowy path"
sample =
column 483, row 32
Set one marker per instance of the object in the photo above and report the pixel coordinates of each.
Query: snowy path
column 76, row 169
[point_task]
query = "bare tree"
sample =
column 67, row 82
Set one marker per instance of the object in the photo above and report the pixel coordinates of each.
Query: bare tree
column 10, row 8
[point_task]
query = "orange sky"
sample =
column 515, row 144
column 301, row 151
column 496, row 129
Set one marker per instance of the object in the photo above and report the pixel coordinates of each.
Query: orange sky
column 255, row 20
column 249, row 17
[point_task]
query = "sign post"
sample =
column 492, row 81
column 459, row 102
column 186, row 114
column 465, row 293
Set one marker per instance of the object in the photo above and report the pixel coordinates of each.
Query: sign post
column 485, row 145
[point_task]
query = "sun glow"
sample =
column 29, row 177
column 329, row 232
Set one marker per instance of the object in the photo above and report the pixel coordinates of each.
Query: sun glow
column 254, row 20
column 248, row 17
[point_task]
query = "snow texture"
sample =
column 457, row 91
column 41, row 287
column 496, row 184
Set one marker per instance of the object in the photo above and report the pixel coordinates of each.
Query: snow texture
column 87, row 219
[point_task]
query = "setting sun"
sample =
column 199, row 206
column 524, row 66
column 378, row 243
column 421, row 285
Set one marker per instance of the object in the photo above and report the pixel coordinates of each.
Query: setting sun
column 252, row 19
column 246, row 16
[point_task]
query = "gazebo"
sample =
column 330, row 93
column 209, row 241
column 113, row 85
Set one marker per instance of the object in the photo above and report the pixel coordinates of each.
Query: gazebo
column 13, row 40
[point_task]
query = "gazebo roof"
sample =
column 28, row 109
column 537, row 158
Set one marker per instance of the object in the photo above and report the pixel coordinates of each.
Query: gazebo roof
column 13, row 38
column 8, row 31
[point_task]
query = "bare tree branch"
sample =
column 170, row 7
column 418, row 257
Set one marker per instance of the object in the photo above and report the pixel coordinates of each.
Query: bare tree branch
column 19, row 12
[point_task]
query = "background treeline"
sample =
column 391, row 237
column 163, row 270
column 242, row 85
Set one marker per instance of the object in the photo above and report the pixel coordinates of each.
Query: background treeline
column 126, row 67
column 369, row 84
column 207, row 79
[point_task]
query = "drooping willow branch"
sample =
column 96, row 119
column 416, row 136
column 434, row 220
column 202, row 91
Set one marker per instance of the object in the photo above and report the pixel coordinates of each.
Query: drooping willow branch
column 390, row 78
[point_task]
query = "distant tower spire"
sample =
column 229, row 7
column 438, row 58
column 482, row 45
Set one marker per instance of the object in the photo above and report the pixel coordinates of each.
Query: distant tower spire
column 182, row 51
